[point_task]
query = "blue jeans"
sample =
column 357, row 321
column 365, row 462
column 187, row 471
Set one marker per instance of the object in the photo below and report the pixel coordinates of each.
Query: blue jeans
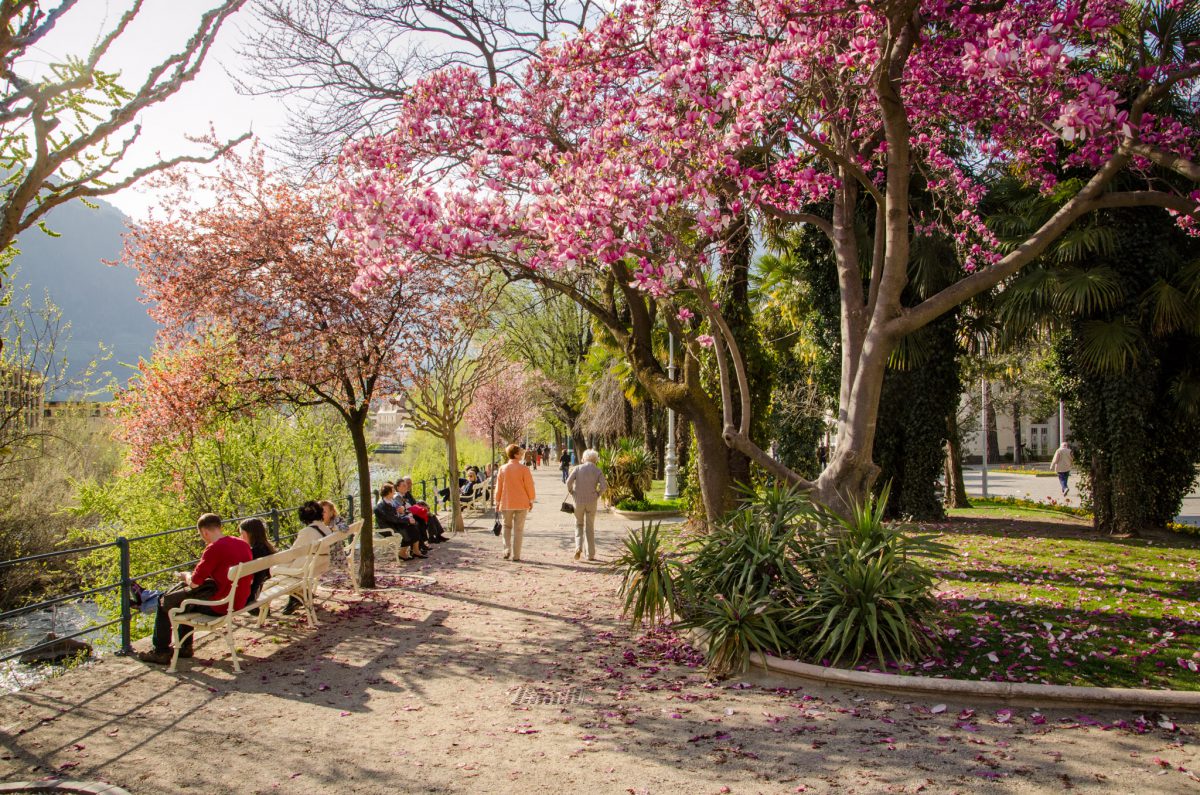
column 1062, row 480
column 565, row 472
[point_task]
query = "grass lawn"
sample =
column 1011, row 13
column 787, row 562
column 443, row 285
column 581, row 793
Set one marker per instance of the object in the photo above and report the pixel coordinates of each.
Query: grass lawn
column 1035, row 596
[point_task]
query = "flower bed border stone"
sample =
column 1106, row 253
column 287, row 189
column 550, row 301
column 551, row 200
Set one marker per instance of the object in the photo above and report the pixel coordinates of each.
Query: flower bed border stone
column 1025, row 693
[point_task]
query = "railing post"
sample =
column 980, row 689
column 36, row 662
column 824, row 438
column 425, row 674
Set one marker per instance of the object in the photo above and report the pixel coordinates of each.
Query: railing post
column 349, row 507
column 275, row 525
column 423, row 492
column 126, row 608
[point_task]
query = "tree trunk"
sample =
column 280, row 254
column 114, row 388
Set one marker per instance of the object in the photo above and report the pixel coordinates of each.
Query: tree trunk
column 956, row 489
column 989, row 417
column 626, row 417
column 357, row 424
column 1016, row 418
column 648, row 429
column 713, row 468
column 456, row 515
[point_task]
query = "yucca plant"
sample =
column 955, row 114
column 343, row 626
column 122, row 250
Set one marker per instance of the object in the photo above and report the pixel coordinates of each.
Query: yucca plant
column 873, row 594
column 647, row 586
column 743, row 580
column 737, row 626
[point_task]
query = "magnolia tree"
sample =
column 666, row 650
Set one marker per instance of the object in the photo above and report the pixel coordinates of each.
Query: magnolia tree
column 456, row 360
column 254, row 297
column 504, row 405
column 648, row 150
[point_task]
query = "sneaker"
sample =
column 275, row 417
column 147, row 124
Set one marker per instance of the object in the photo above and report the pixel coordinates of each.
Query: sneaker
column 186, row 653
column 577, row 554
column 156, row 656
column 292, row 606
column 506, row 556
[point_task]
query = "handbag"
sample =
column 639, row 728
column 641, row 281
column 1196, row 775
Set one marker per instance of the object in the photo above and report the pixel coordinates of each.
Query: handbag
column 567, row 507
column 496, row 527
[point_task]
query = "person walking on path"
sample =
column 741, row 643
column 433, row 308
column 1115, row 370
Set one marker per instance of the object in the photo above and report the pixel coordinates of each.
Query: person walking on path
column 564, row 463
column 1061, row 463
column 586, row 483
column 514, row 498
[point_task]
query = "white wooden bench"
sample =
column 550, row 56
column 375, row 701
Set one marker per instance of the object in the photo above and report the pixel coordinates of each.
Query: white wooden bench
column 303, row 561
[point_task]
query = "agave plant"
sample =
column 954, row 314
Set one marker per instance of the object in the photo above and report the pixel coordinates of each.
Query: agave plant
column 746, row 578
column 736, row 627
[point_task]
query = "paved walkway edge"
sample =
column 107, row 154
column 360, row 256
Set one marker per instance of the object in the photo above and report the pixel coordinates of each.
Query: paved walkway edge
column 964, row 689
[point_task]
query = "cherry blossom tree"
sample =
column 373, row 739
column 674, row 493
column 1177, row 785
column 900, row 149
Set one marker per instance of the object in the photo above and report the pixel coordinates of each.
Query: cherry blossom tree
column 255, row 299
column 503, row 407
column 650, row 148
column 457, row 357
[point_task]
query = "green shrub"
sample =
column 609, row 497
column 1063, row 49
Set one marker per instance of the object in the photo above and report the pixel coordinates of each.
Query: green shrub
column 872, row 595
column 785, row 576
column 736, row 627
column 629, row 469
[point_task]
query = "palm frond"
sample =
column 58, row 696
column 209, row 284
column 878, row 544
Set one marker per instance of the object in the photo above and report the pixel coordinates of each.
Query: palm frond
column 1109, row 346
column 1088, row 291
column 1168, row 308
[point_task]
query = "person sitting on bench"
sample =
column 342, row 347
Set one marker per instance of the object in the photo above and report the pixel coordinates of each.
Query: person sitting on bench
column 388, row 518
column 209, row 581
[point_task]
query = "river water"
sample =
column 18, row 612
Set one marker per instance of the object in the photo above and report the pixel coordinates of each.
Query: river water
column 24, row 631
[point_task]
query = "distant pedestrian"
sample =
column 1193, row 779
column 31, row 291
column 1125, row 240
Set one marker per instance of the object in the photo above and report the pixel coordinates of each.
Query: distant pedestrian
column 586, row 484
column 564, row 463
column 822, row 456
column 1061, row 463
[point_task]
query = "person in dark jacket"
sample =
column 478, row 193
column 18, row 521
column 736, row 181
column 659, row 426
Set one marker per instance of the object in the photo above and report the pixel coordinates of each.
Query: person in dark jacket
column 387, row 517
column 434, row 532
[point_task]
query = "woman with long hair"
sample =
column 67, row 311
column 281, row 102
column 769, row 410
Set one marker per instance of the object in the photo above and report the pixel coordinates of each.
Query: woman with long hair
column 254, row 533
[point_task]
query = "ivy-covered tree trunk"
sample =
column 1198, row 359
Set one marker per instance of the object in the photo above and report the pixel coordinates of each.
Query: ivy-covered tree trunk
column 912, row 430
column 1137, row 425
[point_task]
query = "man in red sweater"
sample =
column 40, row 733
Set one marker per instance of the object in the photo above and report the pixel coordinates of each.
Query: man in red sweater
column 208, row 581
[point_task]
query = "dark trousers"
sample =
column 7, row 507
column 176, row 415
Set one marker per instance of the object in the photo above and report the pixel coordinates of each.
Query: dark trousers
column 172, row 599
column 1062, row 480
column 565, row 472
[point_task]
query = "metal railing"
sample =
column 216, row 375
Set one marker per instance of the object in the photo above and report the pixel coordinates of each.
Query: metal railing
column 125, row 547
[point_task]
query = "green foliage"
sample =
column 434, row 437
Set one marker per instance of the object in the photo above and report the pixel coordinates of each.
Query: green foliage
column 424, row 456
column 646, row 582
column 783, row 576
column 872, row 595
column 737, row 627
column 629, row 468
column 241, row 466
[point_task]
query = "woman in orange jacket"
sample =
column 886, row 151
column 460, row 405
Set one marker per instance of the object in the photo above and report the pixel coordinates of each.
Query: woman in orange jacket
column 514, row 498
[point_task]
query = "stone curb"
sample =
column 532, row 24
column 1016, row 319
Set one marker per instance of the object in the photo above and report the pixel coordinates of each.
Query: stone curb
column 648, row 514
column 1007, row 692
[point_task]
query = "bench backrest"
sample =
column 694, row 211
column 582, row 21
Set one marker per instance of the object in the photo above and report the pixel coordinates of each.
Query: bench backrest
column 252, row 567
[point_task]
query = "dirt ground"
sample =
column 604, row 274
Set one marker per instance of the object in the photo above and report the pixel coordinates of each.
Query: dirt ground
column 439, row 691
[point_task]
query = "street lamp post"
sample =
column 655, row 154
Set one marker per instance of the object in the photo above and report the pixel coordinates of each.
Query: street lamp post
column 983, row 390
column 670, row 470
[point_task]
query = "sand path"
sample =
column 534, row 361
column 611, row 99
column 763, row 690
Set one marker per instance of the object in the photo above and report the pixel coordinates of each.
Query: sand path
column 412, row 691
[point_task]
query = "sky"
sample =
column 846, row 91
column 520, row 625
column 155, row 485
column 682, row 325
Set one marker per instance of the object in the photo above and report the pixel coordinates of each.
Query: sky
column 160, row 30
